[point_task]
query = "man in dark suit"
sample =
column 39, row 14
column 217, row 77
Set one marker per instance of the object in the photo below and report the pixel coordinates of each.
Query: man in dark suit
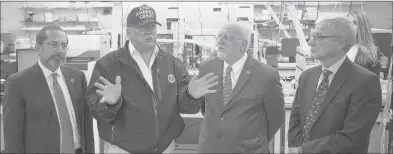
column 248, row 107
column 44, row 109
column 336, row 103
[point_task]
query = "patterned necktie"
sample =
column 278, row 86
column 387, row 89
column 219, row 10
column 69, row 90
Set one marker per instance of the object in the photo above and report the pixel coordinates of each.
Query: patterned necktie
column 66, row 132
column 317, row 100
column 227, row 85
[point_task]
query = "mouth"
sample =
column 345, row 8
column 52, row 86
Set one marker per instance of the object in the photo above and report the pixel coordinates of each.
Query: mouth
column 313, row 49
column 58, row 57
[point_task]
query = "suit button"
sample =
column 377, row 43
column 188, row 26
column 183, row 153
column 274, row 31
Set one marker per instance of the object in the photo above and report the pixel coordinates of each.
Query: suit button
column 221, row 118
column 220, row 137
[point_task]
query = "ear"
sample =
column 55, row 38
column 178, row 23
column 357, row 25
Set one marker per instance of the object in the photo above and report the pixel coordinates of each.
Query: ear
column 244, row 45
column 342, row 42
column 38, row 48
column 129, row 32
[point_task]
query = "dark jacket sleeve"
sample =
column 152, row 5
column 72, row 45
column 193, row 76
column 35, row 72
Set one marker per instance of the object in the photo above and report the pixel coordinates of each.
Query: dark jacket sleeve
column 201, row 73
column 362, row 113
column 88, row 124
column 187, row 104
column 375, row 69
column 274, row 105
column 14, row 118
column 101, row 111
column 295, row 129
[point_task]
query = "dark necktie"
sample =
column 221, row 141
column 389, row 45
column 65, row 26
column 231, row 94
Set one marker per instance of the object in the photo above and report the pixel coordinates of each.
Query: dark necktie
column 227, row 86
column 66, row 132
column 317, row 100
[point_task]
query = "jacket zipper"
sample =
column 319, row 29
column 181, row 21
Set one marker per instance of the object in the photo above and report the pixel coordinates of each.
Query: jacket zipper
column 155, row 106
column 157, row 131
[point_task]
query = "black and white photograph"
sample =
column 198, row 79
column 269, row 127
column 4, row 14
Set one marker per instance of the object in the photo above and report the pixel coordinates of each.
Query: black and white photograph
column 192, row 76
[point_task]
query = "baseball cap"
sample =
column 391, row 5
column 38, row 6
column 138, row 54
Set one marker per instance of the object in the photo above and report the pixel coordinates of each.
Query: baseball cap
column 140, row 16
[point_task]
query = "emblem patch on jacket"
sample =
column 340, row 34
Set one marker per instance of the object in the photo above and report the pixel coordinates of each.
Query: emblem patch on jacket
column 171, row 78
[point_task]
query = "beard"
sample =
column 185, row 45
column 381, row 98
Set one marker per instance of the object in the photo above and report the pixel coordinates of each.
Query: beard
column 55, row 61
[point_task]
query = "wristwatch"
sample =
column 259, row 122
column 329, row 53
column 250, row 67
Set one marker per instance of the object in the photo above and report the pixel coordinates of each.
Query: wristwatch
column 300, row 150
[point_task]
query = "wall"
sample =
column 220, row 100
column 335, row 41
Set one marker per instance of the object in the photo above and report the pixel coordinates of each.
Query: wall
column 11, row 16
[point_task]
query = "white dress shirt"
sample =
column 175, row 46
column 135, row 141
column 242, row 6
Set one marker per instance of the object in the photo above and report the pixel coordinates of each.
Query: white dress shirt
column 147, row 73
column 66, row 93
column 146, row 70
column 334, row 69
column 237, row 68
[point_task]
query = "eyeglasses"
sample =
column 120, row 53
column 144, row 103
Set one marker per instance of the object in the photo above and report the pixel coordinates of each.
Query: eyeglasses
column 64, row 46
column 322, row 37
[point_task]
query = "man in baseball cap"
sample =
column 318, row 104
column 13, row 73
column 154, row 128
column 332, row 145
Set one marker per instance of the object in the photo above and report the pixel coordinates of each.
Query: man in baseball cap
column 140, row 16
column 138, row 92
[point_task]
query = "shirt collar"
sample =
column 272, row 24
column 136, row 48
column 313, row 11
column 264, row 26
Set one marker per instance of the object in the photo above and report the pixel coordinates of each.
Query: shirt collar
column 237, row 66
column 134, row 51
column 334, row 68
column 352, row 53
column 47, row 72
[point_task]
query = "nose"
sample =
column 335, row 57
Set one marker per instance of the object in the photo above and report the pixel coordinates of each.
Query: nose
column 311, row 41
column 220, row 41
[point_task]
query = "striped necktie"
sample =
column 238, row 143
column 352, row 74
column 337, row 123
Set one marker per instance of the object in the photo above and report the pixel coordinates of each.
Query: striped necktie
column 227, row 86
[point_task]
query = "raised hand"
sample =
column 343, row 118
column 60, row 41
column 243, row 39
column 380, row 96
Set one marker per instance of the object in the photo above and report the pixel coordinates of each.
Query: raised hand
column 200, row 87
column 110, row 92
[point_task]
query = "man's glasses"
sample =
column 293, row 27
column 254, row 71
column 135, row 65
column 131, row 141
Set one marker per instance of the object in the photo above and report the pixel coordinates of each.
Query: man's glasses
column 63, row 46
column 321, row 37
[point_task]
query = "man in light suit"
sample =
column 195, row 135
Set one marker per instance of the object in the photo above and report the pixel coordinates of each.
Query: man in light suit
column 44, row 108
column 248, row 107
column 336, row 103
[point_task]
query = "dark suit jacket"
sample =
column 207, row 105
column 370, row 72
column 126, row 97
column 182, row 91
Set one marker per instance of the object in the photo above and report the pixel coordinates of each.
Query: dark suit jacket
column 346, row 116
column 30, row 119
column 251, row 118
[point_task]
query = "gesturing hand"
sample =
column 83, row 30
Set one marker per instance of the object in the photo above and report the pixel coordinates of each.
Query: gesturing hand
column 110, row 93
column 200, row 87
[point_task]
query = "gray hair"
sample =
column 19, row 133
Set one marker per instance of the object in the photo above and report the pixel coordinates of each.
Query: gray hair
column 42, row 34
column 342, row 27
column 243, row 31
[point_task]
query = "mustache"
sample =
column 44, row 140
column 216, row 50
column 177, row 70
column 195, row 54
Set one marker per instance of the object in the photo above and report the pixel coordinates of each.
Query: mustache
column 60, row 56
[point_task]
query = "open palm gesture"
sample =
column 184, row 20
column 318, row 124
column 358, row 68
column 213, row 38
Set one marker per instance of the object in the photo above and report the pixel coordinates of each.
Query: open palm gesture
column 110, row 92
column 200, row 87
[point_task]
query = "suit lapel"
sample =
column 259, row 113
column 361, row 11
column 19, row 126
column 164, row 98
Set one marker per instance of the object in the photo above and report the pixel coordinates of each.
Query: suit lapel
column 311, row 85
column 70, row 82
column 242, row 79
column 336, row 84
column 218, row 70
column 41, row 84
